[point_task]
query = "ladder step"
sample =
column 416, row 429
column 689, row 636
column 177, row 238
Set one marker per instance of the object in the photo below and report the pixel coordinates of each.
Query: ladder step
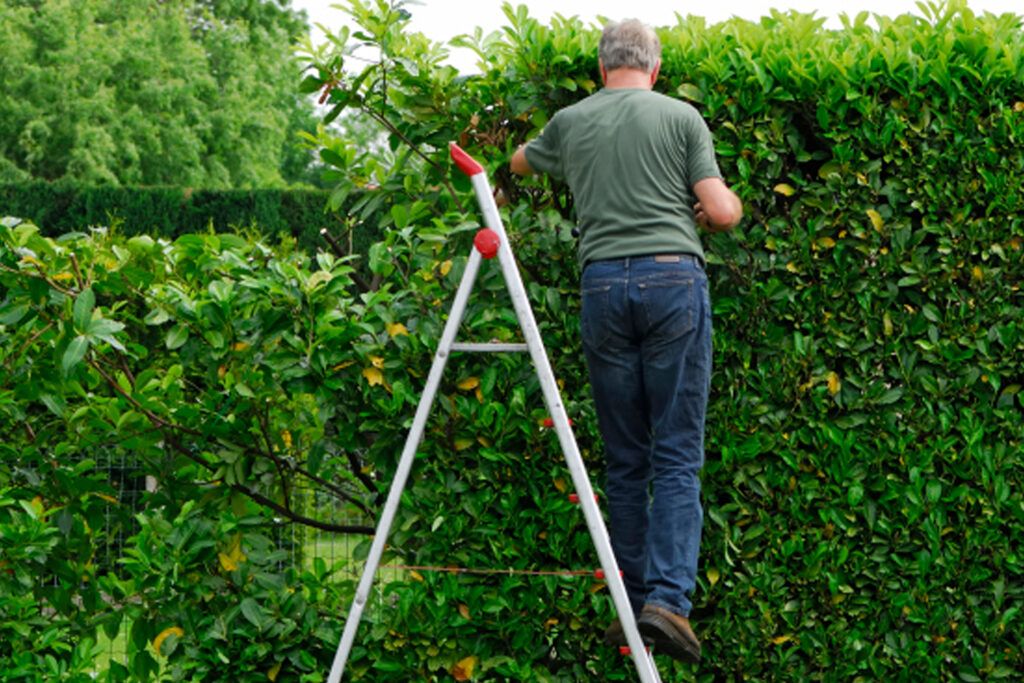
column 490, row 347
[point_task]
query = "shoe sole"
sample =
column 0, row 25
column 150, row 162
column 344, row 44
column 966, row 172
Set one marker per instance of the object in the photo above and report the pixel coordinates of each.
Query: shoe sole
column 658, row 631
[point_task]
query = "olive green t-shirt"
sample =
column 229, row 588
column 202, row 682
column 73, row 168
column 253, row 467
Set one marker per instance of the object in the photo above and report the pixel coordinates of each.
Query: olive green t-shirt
column 631, row 158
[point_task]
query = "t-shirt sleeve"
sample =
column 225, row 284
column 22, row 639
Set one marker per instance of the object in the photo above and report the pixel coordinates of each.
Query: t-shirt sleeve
column 700, row 156
column 544, row 153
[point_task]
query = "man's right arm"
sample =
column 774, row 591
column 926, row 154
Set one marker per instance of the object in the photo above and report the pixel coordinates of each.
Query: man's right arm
column 718, row 209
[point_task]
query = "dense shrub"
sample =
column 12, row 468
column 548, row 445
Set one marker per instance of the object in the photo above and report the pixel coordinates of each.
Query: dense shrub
column 864, row 476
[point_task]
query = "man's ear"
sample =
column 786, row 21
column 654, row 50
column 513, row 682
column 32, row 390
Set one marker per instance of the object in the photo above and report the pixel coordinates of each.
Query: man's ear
column 654, row 74
column 604, row 72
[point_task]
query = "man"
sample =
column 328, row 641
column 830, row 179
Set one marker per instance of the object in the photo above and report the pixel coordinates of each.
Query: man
column 642, row 170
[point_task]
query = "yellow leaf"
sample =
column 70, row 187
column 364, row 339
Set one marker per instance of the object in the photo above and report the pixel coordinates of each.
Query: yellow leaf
column 713, row 576
column 469, row 383
column 785, row 190
column 833, row 383
column 397, row 329
column 779, row 640
column 234, row 557
column 1018, row 106
column 377, row 361
column 159, row 640
column 549, row 623
column 876, row 219
column 274, row 671
column 342, row 366
column 1016, row 244
column 240, row 346
column 825, row 242
column 887, row 325
column 222, row 371
column 463, row 444
column 479, row 395
column 446, row 267
column 373, row 376
column 463, row 671
column 560, row 485
column 62, row 277
column 286, row 437
column 791, row 267
column 464, row 611
column 109, row 499
column 416, row 575
column 977, row 273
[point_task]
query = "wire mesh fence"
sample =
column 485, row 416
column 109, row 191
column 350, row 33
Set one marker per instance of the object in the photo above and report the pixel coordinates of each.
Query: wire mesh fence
column 304, row 545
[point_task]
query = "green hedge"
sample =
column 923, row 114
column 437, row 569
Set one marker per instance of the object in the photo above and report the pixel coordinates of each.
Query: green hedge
column 864, row 476
column 64, row 207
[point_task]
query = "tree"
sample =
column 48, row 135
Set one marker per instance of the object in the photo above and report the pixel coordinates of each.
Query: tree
column 195, row 93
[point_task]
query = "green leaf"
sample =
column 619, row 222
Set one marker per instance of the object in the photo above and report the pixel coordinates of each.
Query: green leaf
column 14, row 315
column 75, row 352
column 157, row 316
column 253, row 612
column 84, row 303
column 310, row 84
column 177, row 337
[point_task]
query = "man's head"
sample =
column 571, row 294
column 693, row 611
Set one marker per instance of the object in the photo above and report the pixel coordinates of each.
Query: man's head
column 629, row 44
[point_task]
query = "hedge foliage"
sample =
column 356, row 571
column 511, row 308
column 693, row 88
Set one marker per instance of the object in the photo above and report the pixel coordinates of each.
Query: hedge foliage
column 59, row 208
column 865, row 433
column 864, row 514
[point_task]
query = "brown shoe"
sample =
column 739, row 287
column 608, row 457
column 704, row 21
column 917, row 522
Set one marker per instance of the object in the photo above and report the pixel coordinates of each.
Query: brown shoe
column 615, row 635
column 670, row 633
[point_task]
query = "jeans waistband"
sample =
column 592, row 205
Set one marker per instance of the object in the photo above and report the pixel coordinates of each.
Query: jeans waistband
column 654, row 258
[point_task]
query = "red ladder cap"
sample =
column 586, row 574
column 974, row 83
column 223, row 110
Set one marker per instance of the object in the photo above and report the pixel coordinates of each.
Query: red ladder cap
column 487, row 242
column 466, row 163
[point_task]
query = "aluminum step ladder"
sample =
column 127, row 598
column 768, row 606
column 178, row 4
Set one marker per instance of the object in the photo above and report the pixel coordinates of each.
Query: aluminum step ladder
column 491, row 242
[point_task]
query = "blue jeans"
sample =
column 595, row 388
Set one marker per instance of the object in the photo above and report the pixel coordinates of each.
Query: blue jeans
column 646, row 328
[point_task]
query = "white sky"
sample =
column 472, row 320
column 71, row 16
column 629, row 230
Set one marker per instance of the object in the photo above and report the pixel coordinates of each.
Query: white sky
column 440, row 20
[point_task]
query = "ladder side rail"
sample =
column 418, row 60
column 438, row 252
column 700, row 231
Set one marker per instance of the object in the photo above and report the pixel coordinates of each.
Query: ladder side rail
column 412, row 443
column 552, row 398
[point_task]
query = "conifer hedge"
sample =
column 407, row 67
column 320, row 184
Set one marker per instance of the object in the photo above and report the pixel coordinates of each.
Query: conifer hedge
column 170, row 211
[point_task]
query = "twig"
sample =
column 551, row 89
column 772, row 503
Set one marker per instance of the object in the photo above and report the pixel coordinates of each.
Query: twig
column 262, row 419
column 360, row 281
column 78, row 271
column 416, row 150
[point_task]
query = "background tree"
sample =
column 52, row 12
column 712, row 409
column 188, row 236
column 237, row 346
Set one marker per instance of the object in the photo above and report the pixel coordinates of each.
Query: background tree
column 194, row 93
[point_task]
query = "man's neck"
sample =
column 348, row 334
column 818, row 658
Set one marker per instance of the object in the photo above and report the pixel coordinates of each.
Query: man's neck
column 627, row 79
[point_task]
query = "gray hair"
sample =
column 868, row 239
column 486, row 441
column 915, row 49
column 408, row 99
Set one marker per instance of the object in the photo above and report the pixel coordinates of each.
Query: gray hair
column 629, row 44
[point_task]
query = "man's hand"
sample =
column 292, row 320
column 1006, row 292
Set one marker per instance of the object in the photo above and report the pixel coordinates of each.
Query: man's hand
column 704, row 221
column 519, row 165
column 718, row 208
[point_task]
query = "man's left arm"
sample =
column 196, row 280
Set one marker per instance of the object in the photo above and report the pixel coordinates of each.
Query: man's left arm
column 519, row 165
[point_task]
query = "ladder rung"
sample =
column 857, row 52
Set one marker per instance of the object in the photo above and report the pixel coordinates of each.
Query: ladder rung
column 489, row 347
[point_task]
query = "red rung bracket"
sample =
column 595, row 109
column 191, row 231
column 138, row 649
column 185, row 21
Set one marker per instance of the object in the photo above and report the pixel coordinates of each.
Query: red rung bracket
column 466, row 163
column 599, row 574
column 575, row 498
column 487, row 242
column 549, row 422
column 624, row 650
